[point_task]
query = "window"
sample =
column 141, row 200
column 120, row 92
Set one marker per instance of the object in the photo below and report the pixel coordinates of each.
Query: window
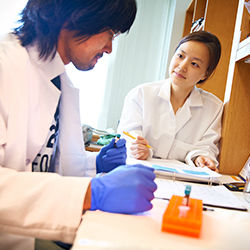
column 91, row 85
column 9, row 14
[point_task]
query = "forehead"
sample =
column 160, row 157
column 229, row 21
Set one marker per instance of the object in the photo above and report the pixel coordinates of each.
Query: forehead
column 194, row 49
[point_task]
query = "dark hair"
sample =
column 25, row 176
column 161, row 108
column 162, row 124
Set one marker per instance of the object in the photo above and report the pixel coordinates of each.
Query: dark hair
column 213, row 45
column 42, row 20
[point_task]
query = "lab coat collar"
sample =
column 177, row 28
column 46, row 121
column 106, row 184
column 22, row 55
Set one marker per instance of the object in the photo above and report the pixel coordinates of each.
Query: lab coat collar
column 184, row 114
column 164, row 91
column 50, row 67
column 194, row 99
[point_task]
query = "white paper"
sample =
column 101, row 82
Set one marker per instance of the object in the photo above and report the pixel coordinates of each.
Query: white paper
column 210, row 195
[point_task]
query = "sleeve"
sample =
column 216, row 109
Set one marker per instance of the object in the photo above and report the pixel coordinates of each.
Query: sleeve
column 41, row 205
column 74, row 160
column 209, row 143
column 132, row 116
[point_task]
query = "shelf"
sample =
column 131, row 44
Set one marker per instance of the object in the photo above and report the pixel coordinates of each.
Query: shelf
column 243, row 51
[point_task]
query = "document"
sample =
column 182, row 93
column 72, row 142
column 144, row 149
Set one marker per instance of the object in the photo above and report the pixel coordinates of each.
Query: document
column 215, row 196
column 177, row 170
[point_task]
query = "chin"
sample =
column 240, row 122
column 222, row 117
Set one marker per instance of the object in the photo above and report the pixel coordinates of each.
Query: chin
column 84, row 68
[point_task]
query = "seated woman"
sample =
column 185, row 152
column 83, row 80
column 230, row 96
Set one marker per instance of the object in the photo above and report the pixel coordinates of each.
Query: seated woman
column 179, row 120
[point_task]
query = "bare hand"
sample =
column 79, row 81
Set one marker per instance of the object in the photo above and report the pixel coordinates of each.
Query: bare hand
column 139, row 150
column 204, row 161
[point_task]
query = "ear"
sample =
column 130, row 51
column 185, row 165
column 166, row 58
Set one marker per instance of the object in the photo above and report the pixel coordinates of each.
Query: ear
column 204, row 77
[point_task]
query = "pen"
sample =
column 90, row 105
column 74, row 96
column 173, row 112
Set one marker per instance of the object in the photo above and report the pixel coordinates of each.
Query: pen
column 204, row 208
column 131, row 136
column 207, row 209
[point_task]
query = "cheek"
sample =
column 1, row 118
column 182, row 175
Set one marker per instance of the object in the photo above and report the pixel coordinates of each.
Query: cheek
column 171, row 65
column 196, row 77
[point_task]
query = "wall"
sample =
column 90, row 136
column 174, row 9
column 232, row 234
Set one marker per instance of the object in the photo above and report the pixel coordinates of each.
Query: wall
column 178, row 25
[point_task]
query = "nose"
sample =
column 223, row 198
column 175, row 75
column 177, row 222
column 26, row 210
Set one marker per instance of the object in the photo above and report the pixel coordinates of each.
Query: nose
column 183, row 65
column 108, row 47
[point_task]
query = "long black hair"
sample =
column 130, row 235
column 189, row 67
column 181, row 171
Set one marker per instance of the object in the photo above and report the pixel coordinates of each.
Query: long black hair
column 213, row 45
column 42, row 20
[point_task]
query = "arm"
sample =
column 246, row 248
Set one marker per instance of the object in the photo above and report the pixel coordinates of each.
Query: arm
column 206, row 150
column 42, row 205
column 132, row 121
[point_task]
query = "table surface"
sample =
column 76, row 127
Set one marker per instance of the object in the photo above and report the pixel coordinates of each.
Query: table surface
column 221, row 229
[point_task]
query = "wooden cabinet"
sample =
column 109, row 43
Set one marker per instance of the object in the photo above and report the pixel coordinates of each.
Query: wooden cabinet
column 229, row 21
column 219, row 19
column 235, row 143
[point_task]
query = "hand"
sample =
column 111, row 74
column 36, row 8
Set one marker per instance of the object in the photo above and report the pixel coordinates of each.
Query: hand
column 127, row 189
column 139, row 150
column 204, row 161
column 111, row 156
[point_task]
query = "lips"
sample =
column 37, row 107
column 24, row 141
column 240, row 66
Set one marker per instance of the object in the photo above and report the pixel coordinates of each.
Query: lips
column 178, row 75
column 98, row 56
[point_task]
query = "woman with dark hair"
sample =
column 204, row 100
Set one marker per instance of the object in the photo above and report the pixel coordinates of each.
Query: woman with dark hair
column 179, row 120
column 40, row 129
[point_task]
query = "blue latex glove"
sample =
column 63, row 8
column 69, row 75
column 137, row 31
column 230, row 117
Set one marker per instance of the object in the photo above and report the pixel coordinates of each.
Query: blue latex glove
column 111, row 156
column 127, row 189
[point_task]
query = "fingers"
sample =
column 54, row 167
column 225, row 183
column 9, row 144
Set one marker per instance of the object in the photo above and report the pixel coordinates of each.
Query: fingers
column 115, row 144
column 116, row 159
column 144, row 171
column 145, row 205
column 116, row 151
column 121, row 143
column 140, row 140
column 150, row 186
column 107, row 147
column 139, row 151
column 204, row 161
column 140, row 156
column 126, row 189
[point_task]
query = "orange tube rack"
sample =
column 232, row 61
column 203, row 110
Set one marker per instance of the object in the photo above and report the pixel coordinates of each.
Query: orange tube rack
column 181, row 219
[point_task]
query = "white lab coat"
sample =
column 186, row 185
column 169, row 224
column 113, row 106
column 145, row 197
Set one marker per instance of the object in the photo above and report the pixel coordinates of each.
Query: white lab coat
column 194, row 130
column 39, row 205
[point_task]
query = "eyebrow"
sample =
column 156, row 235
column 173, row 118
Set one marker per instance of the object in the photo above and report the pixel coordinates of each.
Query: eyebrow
column 195, row 58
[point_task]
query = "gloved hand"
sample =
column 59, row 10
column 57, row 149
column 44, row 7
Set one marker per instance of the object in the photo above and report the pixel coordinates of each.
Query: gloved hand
column 111, row 156
column 127, row 189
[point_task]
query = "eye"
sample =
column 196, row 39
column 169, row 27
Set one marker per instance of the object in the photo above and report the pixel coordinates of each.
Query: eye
column 195, row 64
column 179, row 55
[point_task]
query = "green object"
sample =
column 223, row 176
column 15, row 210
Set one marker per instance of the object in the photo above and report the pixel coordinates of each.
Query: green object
column 187, row 190
column 106, row 139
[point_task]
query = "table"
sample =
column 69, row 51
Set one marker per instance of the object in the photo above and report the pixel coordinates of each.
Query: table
column 221, row 229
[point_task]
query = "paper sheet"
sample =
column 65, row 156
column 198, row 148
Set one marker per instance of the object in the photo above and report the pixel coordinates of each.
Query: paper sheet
column 218, row 196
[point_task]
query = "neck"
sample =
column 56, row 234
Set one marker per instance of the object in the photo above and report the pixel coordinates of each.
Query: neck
column 178, row 97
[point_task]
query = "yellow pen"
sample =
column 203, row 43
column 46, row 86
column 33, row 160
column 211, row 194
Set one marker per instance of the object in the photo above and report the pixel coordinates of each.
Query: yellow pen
column 131, row 136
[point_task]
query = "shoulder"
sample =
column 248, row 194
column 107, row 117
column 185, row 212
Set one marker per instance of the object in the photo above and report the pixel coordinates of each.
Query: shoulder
column 151, row 88
column 10, row 44
column 209, row 98
column 11, row 52
column 13, row 61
